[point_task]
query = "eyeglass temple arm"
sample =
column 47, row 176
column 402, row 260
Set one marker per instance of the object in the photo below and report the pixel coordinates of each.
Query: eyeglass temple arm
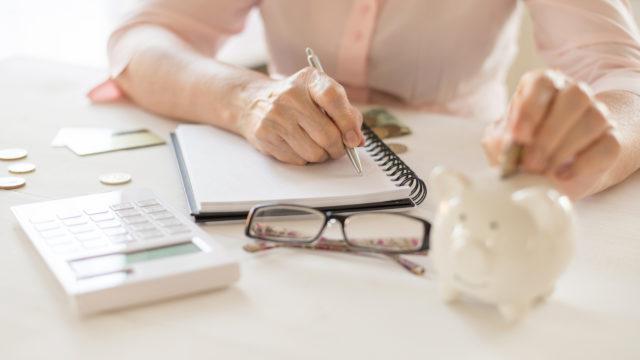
column 329, row 245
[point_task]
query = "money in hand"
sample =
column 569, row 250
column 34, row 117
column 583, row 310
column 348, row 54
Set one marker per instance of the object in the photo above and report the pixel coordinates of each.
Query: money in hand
column 510, row 160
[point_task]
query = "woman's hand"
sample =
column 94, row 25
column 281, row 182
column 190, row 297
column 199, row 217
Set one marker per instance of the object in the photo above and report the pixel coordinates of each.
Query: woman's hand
column 566, row 132
column 285, row 121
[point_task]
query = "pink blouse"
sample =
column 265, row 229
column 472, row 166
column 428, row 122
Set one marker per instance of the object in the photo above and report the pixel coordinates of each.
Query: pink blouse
column 451, row 56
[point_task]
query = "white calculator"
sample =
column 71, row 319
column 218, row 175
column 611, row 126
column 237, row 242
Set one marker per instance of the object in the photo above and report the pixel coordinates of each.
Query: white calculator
column 122, row 248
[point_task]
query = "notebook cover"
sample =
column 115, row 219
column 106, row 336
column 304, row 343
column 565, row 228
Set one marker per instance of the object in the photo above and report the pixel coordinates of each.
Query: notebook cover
column 228, row 216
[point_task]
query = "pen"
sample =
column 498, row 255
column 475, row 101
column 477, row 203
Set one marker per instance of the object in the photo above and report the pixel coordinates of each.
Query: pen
column 351, row 152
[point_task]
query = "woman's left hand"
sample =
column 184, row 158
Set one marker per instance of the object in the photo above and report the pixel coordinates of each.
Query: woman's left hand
column 566, row 132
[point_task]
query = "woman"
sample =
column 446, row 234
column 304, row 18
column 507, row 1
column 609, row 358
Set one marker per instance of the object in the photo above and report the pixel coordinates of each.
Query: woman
column 580, row 124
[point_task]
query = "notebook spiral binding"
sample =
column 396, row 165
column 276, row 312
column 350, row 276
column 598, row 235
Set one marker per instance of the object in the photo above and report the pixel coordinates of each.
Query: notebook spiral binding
column 393, row 166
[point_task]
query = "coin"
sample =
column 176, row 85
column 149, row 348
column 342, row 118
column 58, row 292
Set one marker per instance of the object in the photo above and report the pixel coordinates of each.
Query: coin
column 12, row 154
column 398, row 148
column 115, row 178
column 404, row 130
column 11, row 182
column 394, row 130
column 510, row 160
column 21, row 168
column 382, row 133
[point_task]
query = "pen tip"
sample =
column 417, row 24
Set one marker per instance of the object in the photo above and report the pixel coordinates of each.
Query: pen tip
column 309, row 51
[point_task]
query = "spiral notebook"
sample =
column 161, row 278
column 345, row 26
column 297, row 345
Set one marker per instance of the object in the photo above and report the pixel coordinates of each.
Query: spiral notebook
column 224, row 177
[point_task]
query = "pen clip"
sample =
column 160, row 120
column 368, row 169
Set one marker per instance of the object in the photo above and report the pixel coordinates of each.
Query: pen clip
column 313, row 60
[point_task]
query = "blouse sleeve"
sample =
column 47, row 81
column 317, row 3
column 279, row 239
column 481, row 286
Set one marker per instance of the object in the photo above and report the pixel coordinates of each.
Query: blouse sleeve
column 595, row 41
column 204, row 24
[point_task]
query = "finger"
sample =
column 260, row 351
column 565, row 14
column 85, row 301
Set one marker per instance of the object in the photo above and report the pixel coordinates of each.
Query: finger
column 493, row 140
column 531, row 103
column 594, row 160
column 304, row 146
column 280, row 150
column 332, row 98
column 568, row 107
column 586, row 131
column 322, row 130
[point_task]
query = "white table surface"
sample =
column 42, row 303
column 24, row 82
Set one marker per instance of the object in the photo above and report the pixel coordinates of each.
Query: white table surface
column 292, row 303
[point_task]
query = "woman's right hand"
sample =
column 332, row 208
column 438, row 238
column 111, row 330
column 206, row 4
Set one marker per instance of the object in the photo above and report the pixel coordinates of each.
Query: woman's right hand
column 284, row 120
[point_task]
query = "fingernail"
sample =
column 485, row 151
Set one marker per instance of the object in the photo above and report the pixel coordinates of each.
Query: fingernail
column 352, row 139
column 534, row 161
column 543, row 97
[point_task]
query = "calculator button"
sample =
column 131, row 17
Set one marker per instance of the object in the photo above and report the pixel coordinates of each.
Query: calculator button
column 81, row 228
column 149, row 202
column 46, row 226
column 161, row 215
column 177, row 230
column 153, row 209
column 120, row 239
column 88, row 236
column 134, row 219
column 40, row 219
column 69, row 214
column 127, row 212
column 93, row 244
column 115, row 231
column 109, row 224
column 66, row 248
column 149, row 234
column 169, row 222
column 142, row 226
column 122, row 206
column 53, row 233
column 75, row 221
column 95, row 211
column 60, row 240
column 101, row 217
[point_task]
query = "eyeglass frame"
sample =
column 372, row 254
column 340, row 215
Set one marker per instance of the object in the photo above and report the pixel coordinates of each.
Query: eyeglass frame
column 331, row 215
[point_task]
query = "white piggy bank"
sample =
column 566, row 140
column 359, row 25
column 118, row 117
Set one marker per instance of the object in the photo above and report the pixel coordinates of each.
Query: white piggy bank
column 500, row 241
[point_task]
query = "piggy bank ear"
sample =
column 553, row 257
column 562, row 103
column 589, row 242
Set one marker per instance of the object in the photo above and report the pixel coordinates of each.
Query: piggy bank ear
column 542, row 203
column 446, row 184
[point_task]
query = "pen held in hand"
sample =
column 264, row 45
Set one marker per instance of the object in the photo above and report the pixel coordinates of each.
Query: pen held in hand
column 352, row 153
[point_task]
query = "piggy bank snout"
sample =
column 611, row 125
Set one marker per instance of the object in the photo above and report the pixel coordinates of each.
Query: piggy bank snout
column 470, row 257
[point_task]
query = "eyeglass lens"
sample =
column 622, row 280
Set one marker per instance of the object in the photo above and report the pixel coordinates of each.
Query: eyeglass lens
column 384, row 232
column 286, row 223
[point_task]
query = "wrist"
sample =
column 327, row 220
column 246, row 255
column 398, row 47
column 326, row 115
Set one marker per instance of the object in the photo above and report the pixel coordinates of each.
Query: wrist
column 252, row 96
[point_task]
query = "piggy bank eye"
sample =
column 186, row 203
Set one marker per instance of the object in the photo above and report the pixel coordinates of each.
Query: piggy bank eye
column 494, row 225
column 462, row 217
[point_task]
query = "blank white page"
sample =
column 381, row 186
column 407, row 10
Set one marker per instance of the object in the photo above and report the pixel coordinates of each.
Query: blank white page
column 228, row 174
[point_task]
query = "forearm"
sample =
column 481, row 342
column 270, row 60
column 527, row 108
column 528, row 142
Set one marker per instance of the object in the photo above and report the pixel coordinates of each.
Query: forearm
column 168, row 77
column 625, row 114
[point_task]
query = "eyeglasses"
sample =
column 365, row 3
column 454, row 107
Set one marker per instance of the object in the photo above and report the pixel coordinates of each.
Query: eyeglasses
column 390, row 234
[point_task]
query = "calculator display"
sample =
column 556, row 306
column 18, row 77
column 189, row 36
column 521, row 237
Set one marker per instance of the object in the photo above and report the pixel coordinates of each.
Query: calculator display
column 117, row 262
column 160, row 253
